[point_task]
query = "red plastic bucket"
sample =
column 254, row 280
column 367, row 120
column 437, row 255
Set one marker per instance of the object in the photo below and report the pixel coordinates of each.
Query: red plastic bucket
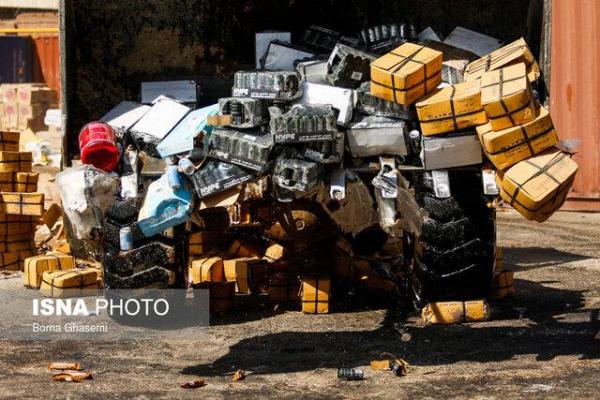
column 98, row 145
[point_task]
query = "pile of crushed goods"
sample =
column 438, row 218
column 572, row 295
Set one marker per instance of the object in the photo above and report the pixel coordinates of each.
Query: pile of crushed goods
column 342, row 166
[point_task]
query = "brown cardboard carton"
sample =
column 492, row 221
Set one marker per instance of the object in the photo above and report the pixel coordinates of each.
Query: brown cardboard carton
column 69, row 283
column 509, row 146
column 249, row 274
column 451, row 109
column 207, row 241
column 506, row 97
column 538, row 186
column 499, row 267
column 513, row 53
column 17, row 228
column 455, row 312
column 207, row 269
column 9, row 262
column 34, row 94
column 15, row 161
column 315, row 295
column 284, row 287
column 9, row 141
column 503, row 285
column 406, row 73
column 36, row 266
column 221, row 295
column 22, row 203
column 239, row 249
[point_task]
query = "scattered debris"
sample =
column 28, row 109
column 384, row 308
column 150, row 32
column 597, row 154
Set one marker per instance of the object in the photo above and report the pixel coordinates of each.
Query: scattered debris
column 351, row 374
column 64, row 366
column 72, row 376
column 193, row 384
column 239, row 375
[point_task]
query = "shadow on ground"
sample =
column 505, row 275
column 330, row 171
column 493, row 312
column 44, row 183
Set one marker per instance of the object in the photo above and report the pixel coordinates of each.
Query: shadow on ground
column 529, row 258
column 554, row 324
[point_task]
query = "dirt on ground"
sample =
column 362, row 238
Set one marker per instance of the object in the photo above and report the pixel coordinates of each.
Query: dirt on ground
column 539, row 344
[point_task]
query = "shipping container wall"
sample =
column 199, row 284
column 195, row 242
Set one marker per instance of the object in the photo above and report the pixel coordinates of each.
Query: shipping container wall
column 575, row 91
column 16, row 59
column 47, row 54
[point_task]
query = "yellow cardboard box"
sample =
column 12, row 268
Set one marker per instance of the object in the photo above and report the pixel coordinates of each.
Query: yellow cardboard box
column 451, row 108
column 455, row 312
column 315, row 295
column 240, row 249
column 9, row 262
column 250, row 274
column 22, row 203
column 207, row 269
column 406, row 73
column 69, row 283
column 506, row 97
column 36, row 266
column 509, row 146
column 204, row 242
column 499, row 267
column 513, row 53
column 539, row 185
column 503, row 285
column 15, row 161
column 25, row 182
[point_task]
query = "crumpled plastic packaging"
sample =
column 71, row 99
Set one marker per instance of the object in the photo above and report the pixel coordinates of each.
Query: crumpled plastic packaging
column 86, row 192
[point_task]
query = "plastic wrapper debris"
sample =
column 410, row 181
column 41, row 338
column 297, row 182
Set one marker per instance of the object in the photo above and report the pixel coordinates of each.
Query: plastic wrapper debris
column 281, row 56
column 181, row 138
column 406, row 74
column 216, row 176
column 248, row 150
column 130, row 173
column 262, row 40
column 538, row 186
column 388, row 214
column 455, row 312
column 369, row 104
column 512, row 53
column 268, row 85
column 124, row 116
column 449, row 151
column 428, row 34
column 314, row 71
column 156, row 124
column 348, row 67
column 325, row 152
column 324, row 40
column 86, row 192
column 511, row 145
column 183, row 91
column 343, row 100
column 455, row 60
column 383, row 38
column 296, row 175
column 472, row 41
column 167, row 203
column 451, row 109
column 374, row 135
column 303, row 123
column 244, row 112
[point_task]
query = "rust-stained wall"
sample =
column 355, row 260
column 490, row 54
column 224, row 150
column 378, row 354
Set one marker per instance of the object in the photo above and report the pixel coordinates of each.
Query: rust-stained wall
column 575, row 91
column 113, row 45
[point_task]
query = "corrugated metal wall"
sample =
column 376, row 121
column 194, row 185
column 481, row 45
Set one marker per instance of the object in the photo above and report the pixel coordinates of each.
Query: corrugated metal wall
column 575, row 91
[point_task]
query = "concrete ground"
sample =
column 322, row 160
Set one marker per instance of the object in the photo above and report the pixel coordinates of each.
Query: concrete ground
column 540, row 344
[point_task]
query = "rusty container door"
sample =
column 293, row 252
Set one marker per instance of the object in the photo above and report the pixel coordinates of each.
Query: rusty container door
column 47, row 53
column 575, row 92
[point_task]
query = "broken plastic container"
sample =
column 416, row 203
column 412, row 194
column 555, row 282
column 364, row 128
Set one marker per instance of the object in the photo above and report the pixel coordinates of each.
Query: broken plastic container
column 164, row 207
column 98, row 145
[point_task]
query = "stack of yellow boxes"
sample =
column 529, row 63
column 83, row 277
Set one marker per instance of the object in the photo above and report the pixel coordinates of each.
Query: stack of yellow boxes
column 20, row 205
